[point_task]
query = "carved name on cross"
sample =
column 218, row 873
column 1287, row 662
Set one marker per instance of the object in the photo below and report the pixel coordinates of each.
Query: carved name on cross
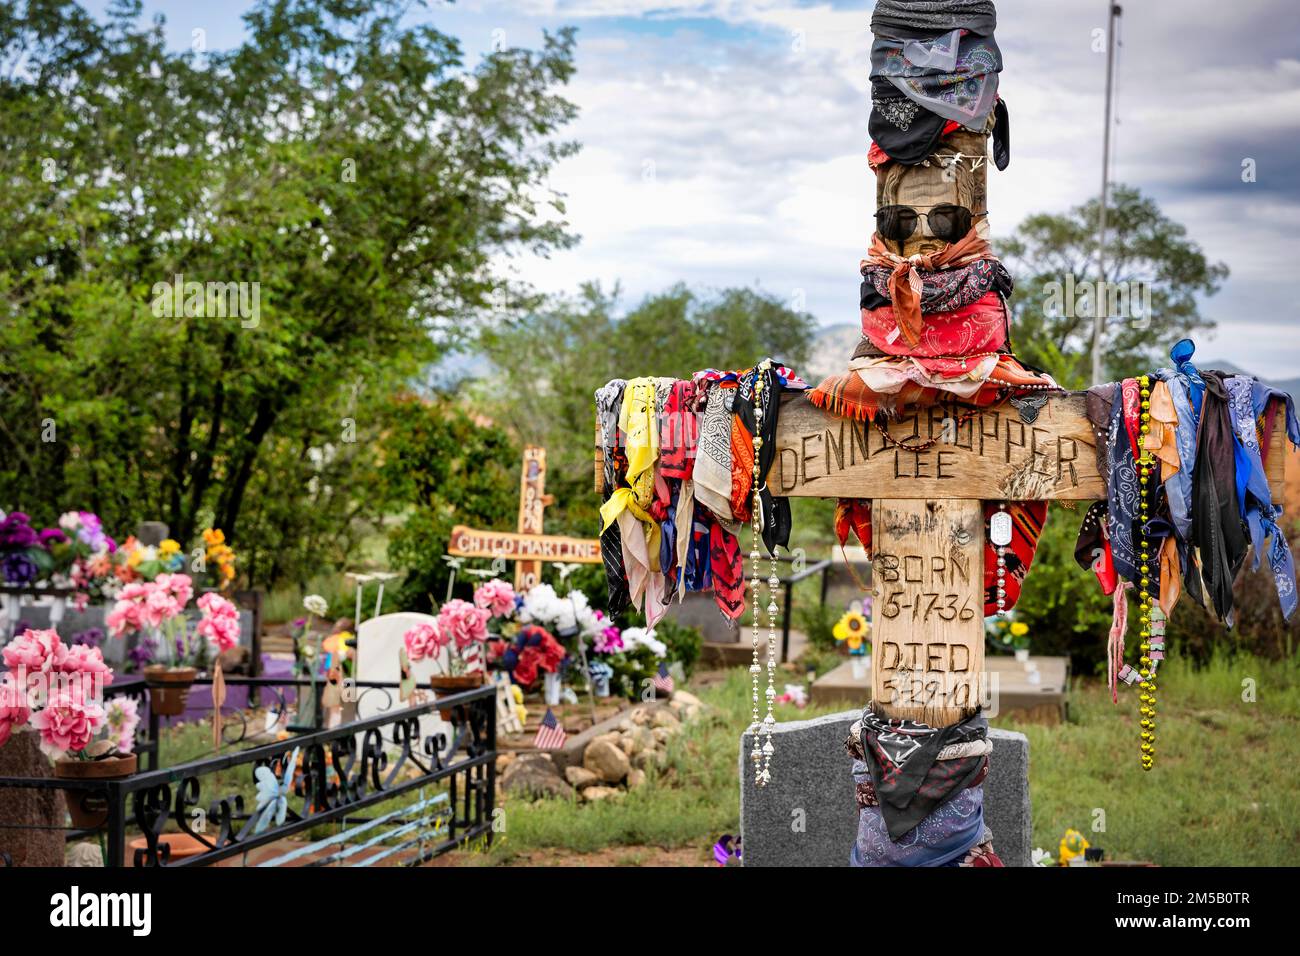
column 529, row 548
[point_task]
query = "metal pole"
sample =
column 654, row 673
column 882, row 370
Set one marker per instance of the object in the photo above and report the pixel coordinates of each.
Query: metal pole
column 1099, row 317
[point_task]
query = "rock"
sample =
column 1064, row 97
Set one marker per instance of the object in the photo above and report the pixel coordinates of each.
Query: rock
column 641, row 716
column 503, row 761
column 43, row 810
column 625, row 725
column 683, row 699
column 664, row 718
column 612, row 737
column 534, row 775
column 84, row 854
column 637, row 741
column 591, row 794
column 606, row 760
column 661, row 735
column 635, row 778
column 580, row 777
column 644, row 760
column 627, row 744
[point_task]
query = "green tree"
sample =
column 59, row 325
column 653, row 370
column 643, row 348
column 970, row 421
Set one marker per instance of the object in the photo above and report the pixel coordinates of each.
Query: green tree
column 450, row 469
column 548, row 364
column 1053, row 330
column 342, row 162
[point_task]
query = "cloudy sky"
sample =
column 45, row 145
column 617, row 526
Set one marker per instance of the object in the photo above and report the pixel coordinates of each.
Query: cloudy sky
column 724, row 140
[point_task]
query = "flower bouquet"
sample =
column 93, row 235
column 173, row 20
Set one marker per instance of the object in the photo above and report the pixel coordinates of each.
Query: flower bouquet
column 455, row 641
column 86, row 558
column 178, row 651
column 632, row 654
column 57, row 691
column 25, row 552
column 1007, row 634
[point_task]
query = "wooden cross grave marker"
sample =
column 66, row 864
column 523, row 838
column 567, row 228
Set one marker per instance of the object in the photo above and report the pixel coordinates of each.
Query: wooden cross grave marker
column 528, row 547
column 927, row 633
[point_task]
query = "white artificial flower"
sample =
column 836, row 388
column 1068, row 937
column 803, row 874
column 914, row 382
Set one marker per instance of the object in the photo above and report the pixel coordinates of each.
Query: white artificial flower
column 1041, row 857
column 315, row 604
column 541, row 606
column 634, row 637
column 68, row 521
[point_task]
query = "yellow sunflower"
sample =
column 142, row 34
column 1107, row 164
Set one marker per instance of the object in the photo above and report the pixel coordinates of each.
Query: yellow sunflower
column 851, row 629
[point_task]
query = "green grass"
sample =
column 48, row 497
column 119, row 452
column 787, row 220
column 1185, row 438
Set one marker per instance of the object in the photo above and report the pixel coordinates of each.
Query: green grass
column 1222, row 792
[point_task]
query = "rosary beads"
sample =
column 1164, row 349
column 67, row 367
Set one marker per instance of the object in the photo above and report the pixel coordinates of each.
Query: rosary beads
column 762, row 752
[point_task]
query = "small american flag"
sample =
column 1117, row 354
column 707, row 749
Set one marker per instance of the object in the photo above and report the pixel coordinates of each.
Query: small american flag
column 663, row 681
column 550, row 736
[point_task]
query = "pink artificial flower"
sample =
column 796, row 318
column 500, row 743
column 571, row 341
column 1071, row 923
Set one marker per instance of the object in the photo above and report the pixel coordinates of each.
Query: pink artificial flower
column 127, row 615
column 220, row 622
column 609, row 640
column 463, row 623
column 13, row 709
column 159, row 606
column 123, row 715
column 423, row 640
column 496, row 596
column 68, row 721
column 179, row 586
column 83, row 659
column 34, row 651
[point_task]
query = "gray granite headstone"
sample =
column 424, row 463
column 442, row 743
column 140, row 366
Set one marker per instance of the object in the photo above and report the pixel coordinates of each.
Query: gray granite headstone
column 807, row 815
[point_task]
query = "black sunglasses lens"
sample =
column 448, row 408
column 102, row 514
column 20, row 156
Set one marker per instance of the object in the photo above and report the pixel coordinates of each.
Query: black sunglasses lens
column 895, row 222
column 949, row 222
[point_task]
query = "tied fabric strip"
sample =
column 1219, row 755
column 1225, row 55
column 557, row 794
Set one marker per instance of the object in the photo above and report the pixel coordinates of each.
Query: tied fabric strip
column 902, row 756
column 1217, row 527
column 905, row 282
column 775, row 520
column 609, row 401
column 1028, row 519
column 1115, row 641
column 954, row 76
column 1257, row 500
column 629, row 506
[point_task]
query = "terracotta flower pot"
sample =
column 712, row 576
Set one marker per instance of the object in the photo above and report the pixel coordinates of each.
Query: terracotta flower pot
column 453, row 685
column 169, row 688
column 182, row 846
column 88, row 809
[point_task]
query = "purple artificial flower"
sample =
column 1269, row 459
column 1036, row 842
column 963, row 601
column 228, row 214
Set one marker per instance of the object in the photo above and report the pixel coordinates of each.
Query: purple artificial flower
column 91, row 637
column 142, row 653
column 17, row 534
column 91, row 532
column 52, row 536
column 19, row 569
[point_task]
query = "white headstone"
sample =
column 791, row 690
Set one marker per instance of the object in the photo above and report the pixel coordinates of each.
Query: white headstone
column 378, row 642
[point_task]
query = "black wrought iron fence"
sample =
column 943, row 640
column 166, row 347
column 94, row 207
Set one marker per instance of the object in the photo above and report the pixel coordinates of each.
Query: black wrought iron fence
column 230, row 804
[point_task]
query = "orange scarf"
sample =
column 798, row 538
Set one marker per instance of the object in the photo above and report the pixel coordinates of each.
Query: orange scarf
column 905, row 283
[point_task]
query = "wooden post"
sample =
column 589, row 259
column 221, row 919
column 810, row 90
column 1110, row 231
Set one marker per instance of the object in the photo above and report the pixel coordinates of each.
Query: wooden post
column 532, row 505
column 927, row 633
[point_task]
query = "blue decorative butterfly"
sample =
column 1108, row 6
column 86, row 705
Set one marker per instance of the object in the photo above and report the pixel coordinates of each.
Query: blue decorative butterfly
column 273, row 794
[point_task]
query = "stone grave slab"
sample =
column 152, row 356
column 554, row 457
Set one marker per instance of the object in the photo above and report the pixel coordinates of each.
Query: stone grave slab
column 1044, row 702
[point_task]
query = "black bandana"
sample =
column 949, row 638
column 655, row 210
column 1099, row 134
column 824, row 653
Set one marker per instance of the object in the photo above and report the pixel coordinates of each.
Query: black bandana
column 775, row 511
column 1218, row 531
column 909, row 780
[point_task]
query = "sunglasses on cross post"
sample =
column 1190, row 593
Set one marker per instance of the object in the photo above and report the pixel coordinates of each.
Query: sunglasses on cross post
column 947, row 221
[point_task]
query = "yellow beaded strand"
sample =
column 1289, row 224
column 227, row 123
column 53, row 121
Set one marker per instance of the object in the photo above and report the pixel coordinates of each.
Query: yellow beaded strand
column 1146, row 668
